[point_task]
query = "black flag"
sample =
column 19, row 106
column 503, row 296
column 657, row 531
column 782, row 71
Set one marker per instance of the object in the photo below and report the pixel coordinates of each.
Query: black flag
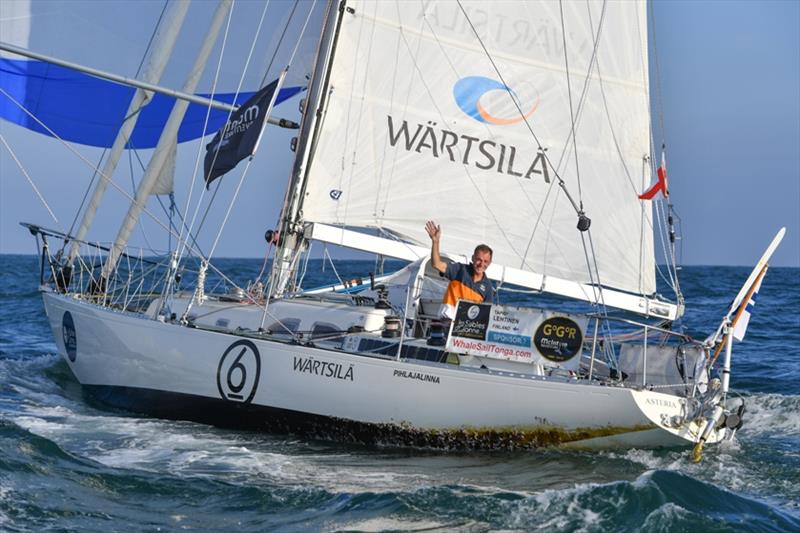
column 238, row 138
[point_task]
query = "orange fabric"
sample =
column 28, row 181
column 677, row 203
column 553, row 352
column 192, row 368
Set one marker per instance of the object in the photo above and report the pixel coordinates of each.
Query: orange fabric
column 457, row 290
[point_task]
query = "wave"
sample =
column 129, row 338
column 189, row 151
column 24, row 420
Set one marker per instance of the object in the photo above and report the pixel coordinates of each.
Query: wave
column 331, row 487
column 772, row 414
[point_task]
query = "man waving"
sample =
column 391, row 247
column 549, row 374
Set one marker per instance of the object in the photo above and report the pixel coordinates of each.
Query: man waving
column 467, row 282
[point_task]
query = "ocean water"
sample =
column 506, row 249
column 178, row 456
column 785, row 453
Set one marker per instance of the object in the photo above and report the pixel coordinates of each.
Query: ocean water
column 68, row 464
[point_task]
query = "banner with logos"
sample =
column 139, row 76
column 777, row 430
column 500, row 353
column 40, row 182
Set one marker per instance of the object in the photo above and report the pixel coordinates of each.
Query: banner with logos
column 517, row 334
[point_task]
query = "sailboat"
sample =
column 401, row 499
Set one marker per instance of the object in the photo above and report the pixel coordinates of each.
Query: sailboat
column 523, row 125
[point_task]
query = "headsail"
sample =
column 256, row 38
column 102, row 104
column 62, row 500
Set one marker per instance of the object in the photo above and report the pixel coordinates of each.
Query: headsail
column 442, row 130
column 87, row 110
column 112, row 38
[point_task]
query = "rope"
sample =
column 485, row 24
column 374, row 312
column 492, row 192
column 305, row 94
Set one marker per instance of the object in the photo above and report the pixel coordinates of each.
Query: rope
column 561, row 183
column 305, row 266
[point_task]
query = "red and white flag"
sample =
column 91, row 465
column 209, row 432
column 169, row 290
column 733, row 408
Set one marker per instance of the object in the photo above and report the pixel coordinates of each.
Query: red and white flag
column 660, row 185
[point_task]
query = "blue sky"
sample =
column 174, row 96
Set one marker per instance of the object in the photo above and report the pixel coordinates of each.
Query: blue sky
column 730, row 96
column 730, row 78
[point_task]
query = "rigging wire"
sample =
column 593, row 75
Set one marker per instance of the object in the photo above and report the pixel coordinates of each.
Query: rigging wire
column 249, row 161
column 593, row 64
column 133, row 188
column 660, row 111
column 280, row 40
column 241, row 81
column 647, row 219
column 327, row 255
column 490, row 133
column 105, row 150
column 181, row 250
column 444, row 121
column 569, row 97
column 25, row 173
column 174, row 206
column 662, row 229
column 413, row 55
column 557, row 175
column 562, row 184
column 659, row 97
column 81, row 157
column 206, row 260
column 85, row 196
column 592, row 267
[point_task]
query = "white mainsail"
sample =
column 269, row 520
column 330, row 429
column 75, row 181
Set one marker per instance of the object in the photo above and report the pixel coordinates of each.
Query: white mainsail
column 437, row 132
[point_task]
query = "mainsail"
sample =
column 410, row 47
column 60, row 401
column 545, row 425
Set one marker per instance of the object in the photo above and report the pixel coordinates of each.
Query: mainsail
column 472, row 121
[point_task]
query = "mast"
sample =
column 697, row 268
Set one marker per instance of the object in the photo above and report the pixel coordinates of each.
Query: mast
column 167, row 142
column 163, row 44
column 292, row 241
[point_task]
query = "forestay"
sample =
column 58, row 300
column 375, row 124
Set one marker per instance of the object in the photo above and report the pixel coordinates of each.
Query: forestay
column 422, row 123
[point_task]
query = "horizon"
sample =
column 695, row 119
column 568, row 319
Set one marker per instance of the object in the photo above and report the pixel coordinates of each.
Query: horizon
column 389, row 259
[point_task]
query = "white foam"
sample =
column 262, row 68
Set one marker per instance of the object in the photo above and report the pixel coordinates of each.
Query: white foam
column 193, row 450
column 724, row 466
column 387, row 523
column 42, row 427
column 562, row 509
column 772, row 414
column 660, row 519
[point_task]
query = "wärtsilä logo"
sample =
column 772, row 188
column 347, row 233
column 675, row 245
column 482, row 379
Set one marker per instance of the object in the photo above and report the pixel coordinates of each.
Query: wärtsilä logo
column 471, row 95
column 475, row 96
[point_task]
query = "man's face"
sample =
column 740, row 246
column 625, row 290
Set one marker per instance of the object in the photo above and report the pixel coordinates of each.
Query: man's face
column 481, row 261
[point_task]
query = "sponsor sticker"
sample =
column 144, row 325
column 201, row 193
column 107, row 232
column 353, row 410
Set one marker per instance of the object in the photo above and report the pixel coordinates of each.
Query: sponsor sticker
column 471, row 320
column 558, row 339
column 69, row 335
column 239, row 371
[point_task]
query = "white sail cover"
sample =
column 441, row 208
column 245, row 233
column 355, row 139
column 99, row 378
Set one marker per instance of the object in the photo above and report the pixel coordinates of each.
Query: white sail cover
column 425, row 121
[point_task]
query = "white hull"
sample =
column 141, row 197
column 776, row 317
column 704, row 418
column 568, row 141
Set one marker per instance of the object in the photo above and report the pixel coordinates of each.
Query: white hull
column 165, row 369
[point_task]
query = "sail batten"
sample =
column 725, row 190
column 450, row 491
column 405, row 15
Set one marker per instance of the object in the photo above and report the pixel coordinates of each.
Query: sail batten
column 444, row 132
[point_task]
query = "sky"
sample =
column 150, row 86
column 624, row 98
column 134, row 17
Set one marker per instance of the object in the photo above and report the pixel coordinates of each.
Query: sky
column 730, row 80
column 727, row 85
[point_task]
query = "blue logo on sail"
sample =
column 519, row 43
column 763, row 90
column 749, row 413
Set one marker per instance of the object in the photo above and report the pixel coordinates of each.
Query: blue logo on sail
column 469, row 92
